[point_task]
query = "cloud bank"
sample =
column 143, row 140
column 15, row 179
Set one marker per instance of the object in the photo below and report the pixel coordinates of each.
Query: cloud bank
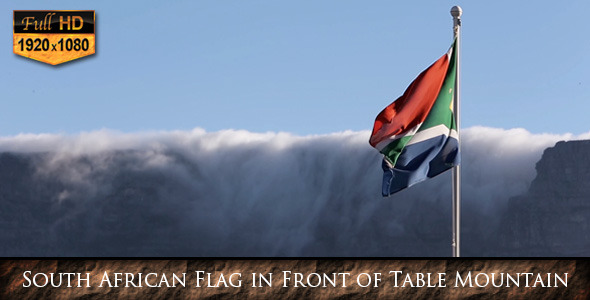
column 237, row 193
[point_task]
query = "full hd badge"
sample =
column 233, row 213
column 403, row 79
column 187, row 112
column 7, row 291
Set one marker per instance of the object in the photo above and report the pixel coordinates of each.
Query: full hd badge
column 54, row 36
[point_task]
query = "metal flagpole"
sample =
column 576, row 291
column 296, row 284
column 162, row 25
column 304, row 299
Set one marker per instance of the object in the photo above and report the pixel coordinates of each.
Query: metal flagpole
column 456, row 12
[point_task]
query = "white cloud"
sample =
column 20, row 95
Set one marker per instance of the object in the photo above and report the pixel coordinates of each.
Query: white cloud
column 234, row 192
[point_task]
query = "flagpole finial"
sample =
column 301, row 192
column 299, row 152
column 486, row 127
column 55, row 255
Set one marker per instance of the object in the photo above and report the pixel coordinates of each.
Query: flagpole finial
column 456, row 12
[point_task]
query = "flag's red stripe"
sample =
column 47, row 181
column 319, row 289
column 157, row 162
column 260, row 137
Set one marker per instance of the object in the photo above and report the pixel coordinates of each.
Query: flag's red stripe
column 413, row 106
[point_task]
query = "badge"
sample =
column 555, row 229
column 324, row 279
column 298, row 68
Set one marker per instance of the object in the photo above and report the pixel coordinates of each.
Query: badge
column 54, row 36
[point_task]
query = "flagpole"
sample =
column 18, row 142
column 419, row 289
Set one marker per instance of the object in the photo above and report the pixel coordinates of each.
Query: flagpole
column 456, row 12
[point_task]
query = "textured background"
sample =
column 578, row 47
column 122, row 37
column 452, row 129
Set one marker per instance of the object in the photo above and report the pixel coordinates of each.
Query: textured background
column 11, row 279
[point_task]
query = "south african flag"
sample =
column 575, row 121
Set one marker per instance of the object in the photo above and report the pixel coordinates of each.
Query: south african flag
column 417, row 133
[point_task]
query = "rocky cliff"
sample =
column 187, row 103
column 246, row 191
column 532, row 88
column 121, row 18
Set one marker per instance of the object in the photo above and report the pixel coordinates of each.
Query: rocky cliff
column 553, row 217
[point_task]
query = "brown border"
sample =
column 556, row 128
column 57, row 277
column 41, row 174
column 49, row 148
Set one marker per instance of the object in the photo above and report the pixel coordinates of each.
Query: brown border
column 12, row 279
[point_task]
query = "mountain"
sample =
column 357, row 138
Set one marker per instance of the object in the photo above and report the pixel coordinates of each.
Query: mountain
column 236, row 193
column 553, row 217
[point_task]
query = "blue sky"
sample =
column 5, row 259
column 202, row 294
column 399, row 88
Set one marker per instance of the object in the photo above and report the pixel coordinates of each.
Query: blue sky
column 306, row 67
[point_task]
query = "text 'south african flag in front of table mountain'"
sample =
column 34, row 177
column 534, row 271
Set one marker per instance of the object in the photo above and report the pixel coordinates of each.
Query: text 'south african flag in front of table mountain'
column 417, row 133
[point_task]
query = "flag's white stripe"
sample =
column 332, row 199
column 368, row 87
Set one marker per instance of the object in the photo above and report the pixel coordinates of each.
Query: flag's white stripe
column 392, row 138
column 432, row 132
column 449, row 53
column 454, row 134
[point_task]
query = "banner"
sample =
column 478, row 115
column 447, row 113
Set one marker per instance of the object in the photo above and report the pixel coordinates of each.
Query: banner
column 294, row 278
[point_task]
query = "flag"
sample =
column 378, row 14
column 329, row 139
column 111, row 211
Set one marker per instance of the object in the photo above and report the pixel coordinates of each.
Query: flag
column 417, row 133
